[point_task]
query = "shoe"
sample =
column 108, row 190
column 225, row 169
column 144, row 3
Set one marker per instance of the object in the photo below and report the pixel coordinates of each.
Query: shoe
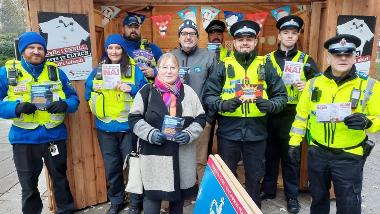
column 264, row 196
column 293, row 205
column 134, row 211
column 115, row 208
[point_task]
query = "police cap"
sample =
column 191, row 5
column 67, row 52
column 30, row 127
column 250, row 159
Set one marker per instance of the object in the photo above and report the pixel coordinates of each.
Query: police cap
column 342, row 44
column 216, row 25
column 289, row 22
column 245, row 28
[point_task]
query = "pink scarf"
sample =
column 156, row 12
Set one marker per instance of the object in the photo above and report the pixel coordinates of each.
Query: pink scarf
column 170, row 93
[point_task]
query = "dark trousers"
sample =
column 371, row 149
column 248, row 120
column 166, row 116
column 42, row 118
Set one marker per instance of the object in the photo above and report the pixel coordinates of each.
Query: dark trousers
column 253, row 153
column 277, row 150
column 345, row 170
column 115, row 146
column 154, row 206
column 28, row 162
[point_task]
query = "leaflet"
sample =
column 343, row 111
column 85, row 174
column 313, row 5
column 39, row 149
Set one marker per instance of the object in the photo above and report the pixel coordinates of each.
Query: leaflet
column 111, row 75
column 41, row 96
column 172, row 126
column 248, row 93
column 143, row 58
column 291, row 72
column 333, row 112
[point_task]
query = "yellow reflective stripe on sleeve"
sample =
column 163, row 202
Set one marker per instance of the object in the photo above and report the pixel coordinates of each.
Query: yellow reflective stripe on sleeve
column 298, row 130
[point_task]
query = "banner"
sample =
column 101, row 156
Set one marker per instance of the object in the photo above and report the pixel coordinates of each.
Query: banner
column 208, row 14
column 189, row 13
column 362, row 27
column 68, row 42
column 281, row 12
column 108, row 12
column 260, row 18
column 227, row 195
column 162, row 23
column 232, row 18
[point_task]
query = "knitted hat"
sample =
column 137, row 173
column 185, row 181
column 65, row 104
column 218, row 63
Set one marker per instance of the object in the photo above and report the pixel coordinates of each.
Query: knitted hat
column 115, row 39
column 29, row 38
column 188, row 24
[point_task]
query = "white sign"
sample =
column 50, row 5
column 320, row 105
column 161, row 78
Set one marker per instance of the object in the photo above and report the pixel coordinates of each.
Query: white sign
column 292, row 72
column 333, row 112
column 111, row 75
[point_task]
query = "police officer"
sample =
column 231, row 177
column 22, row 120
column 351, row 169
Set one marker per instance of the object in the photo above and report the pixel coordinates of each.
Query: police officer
column 242, row 126
column 335, row 152
column 215, row 31
column 36, row 95
column 132, row 34
column 279, row 124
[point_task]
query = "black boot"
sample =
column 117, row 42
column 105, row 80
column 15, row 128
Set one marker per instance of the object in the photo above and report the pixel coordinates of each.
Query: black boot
column 293, row 205
column 115, row 208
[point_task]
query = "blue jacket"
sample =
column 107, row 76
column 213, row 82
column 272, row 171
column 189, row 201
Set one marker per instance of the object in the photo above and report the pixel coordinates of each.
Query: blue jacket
column 40, row 134
column 115, row 126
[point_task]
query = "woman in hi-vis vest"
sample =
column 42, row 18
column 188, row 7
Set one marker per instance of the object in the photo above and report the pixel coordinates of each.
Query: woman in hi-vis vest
column 110, row 89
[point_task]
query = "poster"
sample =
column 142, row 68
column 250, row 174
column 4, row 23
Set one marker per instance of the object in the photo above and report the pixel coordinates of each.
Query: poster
column 362, row 27
column 189, row 13
column 111, row 75
column 162, row 23
column 68, row 42
column 208, row 14
column 108, row 12
column 232, row 18
column 227, row 195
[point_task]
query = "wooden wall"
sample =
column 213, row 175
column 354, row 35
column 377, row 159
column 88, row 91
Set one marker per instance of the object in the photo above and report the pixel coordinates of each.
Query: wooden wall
column 85, row 163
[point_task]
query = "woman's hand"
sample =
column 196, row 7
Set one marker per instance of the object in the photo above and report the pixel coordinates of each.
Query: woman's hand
column 300, row 85
column 124, row 87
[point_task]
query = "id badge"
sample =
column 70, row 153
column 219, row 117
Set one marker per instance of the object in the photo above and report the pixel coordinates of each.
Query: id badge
column 53, row 150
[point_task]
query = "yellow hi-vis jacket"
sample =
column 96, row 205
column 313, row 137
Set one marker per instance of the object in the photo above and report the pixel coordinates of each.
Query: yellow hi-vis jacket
column 336, row 135
column 224, row 52
column 293, row 92
column 22, row 93
column 111, row 104
column 249, row 76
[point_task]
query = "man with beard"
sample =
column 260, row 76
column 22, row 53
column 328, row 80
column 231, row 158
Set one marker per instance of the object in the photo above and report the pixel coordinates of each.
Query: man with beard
column 132, row 34
column 196, row 65
column 215, row 32
column 279, row 124
column 242, row 130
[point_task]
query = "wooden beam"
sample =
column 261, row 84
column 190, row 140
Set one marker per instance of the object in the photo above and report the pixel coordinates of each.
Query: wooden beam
column 315, row 19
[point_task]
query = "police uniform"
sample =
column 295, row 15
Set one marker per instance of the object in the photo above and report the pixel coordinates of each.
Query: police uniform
column 335, row 152
column 218, row 26
column 279, row 124
column 242, row 126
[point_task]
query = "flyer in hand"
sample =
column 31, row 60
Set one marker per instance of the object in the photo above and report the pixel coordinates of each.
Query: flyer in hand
column 213, row 47
column 291, row 72
column 143, row 58
column 111, row 75
column 333, row 112
column 248, row 93
column 172, row 126
column 41, row 96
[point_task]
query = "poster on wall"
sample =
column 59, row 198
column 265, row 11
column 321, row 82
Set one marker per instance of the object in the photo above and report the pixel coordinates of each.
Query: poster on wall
column 362, row 27
column 68, row 42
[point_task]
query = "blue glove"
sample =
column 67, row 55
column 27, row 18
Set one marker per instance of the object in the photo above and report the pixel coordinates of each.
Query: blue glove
column 157, row 138
column 182, row 138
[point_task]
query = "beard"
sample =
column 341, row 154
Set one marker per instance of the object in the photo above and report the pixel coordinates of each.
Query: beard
column 216, row 40
column 134, row 38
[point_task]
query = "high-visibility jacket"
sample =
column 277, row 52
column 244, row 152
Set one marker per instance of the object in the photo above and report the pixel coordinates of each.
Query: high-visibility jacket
column 293, row 92
column 336, row 135
column 249, row 76
column 224, row 52
column 22, row 92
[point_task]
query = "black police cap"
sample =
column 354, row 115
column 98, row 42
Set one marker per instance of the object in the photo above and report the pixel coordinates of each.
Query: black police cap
column 245, row 28
column 289, row 22
column 342, row 44
column 216, row 25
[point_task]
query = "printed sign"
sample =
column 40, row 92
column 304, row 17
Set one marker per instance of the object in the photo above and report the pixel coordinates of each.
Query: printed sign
column 291, row 72
column 333, row 112
column 111, row 75
column 248, row 93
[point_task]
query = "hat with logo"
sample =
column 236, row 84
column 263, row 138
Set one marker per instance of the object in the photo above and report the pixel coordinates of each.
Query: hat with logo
column 289, row 22
column 342, row 44
column 245, row 28
column 216, row 25
column 133, row 18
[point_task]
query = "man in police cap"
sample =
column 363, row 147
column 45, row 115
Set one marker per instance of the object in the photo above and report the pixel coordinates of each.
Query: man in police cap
column 132, row 34
column 279, row 124
column 338, row 145
column 38, row 130
column 215, row 31
column 242, row 119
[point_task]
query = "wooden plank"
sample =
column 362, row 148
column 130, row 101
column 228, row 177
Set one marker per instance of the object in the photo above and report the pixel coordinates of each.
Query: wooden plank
column 347, row 7
column 374, row 10
column 34, row 5
column 316, row 9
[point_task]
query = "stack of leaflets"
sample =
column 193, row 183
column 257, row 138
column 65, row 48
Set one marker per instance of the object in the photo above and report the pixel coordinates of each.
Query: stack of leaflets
column 248, row 93
column 143, row 58
column 172, row 126
column 41, row 96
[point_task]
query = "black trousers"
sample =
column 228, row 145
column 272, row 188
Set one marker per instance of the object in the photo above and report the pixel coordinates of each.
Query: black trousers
column 253, row 153
column 28, row 162
column 277, row 150
column 154, row 206
column 345, row 171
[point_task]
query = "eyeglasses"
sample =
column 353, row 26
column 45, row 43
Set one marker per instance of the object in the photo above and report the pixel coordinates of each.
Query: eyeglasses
column 191, row 34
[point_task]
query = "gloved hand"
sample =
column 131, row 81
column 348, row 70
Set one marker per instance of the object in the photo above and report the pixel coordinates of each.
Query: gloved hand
column 230, row 105
column 294, row 154
column 157, row 138
column 57, row 107
column 357, row 121
column 182, row 138
column 26, row 108
column 264, row 105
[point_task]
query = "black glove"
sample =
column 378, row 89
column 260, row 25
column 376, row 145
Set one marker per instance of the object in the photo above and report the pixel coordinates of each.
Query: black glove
column 26, row 108
column 57, row 107
column 294, row 154
column 357, row 121
column 182, row 138
column 157, row 138
column 230, row 105
column 264, row 105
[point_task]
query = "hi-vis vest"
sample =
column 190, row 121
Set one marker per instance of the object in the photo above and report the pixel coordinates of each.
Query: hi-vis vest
column 111, row 104
column 224, row 52
column 293, row 92
column 22, row 93
column 333, row 135
column 241, row 75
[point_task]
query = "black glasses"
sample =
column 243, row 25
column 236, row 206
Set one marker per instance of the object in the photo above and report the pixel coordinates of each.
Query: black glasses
column 188, row 34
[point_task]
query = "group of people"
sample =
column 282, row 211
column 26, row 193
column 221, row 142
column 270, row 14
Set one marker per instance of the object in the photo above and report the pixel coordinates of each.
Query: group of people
column 199, row 87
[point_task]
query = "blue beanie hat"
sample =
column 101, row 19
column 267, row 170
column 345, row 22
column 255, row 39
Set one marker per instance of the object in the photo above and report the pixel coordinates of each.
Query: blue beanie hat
column 29, row 38
column 115, row 39
column 188, row 24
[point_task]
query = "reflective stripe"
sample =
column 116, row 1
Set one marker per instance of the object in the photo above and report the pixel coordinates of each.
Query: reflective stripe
column 300, row 118
column 311, row 86
column 94, row 103
column 298, row 131
column 25, row 125
column 368, row 92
